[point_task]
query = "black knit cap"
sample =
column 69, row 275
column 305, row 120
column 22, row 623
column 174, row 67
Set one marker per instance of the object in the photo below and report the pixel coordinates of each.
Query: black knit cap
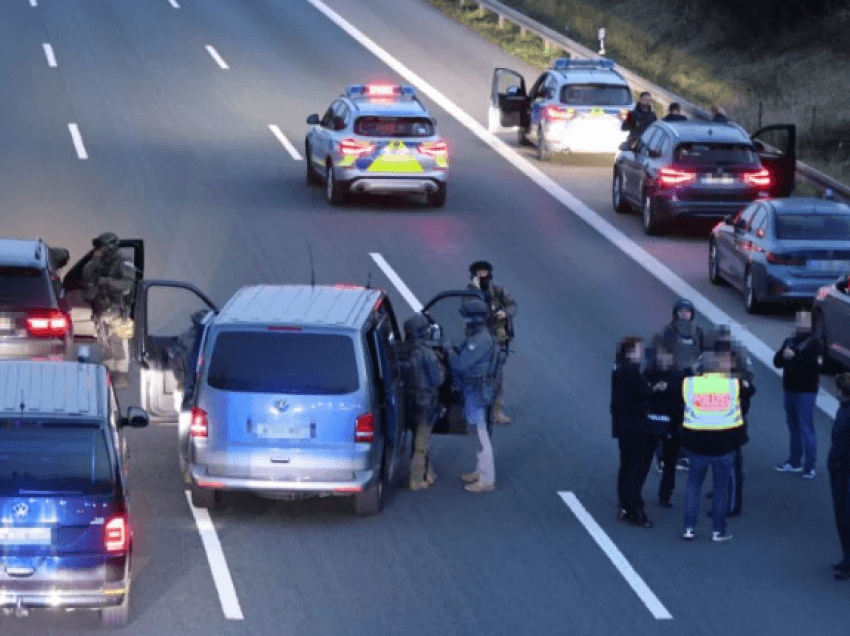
column 477, row 265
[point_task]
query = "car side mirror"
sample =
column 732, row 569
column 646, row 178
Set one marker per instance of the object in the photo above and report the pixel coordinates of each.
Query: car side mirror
column 136, row 418
column 59, row 256
column 759, row 146
column 313, row 120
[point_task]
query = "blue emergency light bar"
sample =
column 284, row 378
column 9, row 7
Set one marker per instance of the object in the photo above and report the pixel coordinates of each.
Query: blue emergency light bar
column 380, row 91
column 564, row 63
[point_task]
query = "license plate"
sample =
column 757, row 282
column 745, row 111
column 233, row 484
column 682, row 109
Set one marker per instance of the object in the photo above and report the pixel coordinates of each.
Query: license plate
column 7, row 323
column 283, row 431
column 829, row 266
column 714, row 180
column 25, row 536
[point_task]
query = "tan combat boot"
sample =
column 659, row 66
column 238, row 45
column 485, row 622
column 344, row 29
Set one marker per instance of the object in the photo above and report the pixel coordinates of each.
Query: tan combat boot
column 499, row 415
column 479, row 486
column 469, row 478
column 431, row 477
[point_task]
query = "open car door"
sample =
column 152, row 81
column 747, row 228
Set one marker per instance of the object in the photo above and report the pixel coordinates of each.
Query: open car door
column 133, row 251
column 510, row 107
column 447, row 331
column 777, row 148
column 162, row 341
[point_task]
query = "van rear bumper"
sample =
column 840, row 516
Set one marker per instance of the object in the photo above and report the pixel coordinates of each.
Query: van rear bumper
column 361, row 480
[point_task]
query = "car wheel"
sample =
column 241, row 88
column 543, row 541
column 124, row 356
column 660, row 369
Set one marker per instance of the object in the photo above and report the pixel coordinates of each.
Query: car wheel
column 714, row 264
column 117, row 615
column 751, row 301
column 204, row 497
column 621, row 206
column 650, row 222
column 543, row 152
column 437, row 199
column 371, row 502
column 312, row 176
column 333, row 190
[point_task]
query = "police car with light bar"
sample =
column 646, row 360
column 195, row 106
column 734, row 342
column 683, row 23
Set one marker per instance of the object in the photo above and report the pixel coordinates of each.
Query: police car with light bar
column 377, row 139
column 576, row 106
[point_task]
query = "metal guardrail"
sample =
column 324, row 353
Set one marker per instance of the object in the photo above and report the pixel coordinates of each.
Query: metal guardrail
column 552, row 38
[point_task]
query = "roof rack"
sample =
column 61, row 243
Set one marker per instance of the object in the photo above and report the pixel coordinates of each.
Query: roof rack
column 564, row 63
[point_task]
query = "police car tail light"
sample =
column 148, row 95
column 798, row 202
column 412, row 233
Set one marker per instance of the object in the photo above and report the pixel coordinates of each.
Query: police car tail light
column 556, row 113
column 823, row 292
column 116, row 534
column 355, row 147
column 364, row 429
column 671, row 177
column 48, row 324
column 784, row 259
column 198, row 424
column 434, row 149
column 759, row 179
column 624, row 114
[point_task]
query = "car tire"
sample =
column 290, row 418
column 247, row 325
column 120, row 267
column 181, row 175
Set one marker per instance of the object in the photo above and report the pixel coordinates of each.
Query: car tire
column 621, row 206
column 371, row 502
column 117, row 615
column 751, row 301
column 543, row 152
column 648, row 216
column 334, row 194
column 714, row 265
column 207, row 498
column 437, row 199
column 313, row 177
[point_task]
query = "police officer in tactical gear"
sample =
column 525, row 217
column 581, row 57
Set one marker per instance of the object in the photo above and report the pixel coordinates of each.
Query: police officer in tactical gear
column 470, row 363
column 423, row 375
column 503, row 309
column 108, row 283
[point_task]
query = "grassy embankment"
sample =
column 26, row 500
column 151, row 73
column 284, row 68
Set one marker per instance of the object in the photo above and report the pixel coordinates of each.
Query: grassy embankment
column 801, row 78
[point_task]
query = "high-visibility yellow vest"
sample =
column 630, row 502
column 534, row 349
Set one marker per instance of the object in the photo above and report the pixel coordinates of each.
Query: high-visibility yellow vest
column 712, row 402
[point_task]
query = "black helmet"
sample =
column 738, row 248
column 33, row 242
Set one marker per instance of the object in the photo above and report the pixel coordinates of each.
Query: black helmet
column 415, row 325
column 474, row 308
column 107, row 240
column 684, row 303
column 478, row 265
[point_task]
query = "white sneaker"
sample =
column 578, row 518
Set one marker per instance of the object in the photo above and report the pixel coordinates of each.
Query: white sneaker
column 720, row 536
column 689, row 534
column 480, row 486
column 469, row 478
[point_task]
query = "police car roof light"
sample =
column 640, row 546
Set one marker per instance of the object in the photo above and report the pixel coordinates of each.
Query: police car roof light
column 564, row 63
column 380, row 90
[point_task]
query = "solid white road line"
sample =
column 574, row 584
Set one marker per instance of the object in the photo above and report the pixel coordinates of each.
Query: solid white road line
column 286, row 144
column 395, row 279
column 603, row 541
column 33, row 3
column 174, row 4
column 218, row 565
column 217, row 57
column 51, row 58
column 651, row 264
column 78, row 141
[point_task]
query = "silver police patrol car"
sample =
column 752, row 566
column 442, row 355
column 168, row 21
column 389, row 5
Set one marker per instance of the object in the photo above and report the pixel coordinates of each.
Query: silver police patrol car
column 377, row 138
column 577, row 106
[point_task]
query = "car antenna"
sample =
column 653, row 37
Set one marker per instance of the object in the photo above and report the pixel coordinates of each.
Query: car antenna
column 369, row 278
column 23, row 405
column 312, row 269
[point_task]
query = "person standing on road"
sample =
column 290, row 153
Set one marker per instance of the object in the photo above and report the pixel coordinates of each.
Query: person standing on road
column 838, row 464
column 800, row 357
column 712, row 431
column 639, row 119
column 666, row 410
column 630, row 395
column 674, row 113
column 423, row 376
column 470, row 362
column 503, row 309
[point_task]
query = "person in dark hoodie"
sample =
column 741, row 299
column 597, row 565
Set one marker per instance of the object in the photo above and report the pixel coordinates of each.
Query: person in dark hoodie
column 630, row 393
column 800, row 357
column 666, row 410
column 838, row 464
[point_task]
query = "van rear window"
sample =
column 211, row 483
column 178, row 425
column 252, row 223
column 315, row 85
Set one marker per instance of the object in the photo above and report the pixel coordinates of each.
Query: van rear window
column 47, row 457
column 394, row 127
column 284, row 362
column 24, row 287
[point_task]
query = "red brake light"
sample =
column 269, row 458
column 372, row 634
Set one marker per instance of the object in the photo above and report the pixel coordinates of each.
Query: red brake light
column 199, row 424
column 347, row 286
column 48, row 324
column 434, row 148
column 364, row 429
column 671, row 177
column 556, row 113
column 759, row 179
column 116, row 536
column 351, row 146
column 624, row 114
column 382, row 90
column 822, row 293
column 784, row 259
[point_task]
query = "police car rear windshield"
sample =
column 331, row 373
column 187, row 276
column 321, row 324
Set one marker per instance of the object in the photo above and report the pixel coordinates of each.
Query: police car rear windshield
column 24, row 287
column 813, row 227
column 372, row 126
column 45, row 457
column 284, row 362
column 595, row 95
column 715, row 154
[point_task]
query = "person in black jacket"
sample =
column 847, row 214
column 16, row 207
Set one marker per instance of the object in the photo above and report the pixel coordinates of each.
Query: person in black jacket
column 630, row 394
column 666, row 409
column 800, row 357
column 674, row 113
column 639, row 119
column 838, row 464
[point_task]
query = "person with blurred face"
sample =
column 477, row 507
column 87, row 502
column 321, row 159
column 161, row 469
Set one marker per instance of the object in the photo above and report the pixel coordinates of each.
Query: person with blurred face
column 800, row 357
column 640, row 118
column 666, row 410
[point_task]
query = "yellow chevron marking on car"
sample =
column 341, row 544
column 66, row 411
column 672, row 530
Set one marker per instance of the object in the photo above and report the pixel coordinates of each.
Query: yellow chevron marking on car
column 347, row 160
column 596, row 112
column 441, row 162
column 395, row 157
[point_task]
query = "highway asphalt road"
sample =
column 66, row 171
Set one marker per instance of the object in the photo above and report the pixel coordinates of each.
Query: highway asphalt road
column 179, row 152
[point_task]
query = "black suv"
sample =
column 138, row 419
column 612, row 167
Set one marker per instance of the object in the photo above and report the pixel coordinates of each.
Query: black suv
column 702, row 170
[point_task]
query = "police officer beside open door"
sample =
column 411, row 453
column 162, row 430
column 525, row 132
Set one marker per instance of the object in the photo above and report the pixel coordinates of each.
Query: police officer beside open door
column 503, row 309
